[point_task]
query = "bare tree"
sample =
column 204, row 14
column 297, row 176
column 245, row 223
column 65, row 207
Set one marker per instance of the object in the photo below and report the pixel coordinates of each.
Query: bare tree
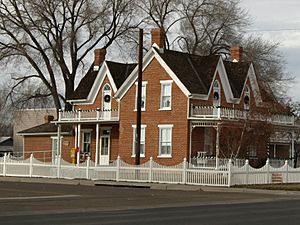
column 269, row 64
column 210, row 27
column 54, row 37
column 161, row 13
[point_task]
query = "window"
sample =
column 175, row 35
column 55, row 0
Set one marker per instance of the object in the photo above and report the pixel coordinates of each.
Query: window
column 86, row 142
column 216, row 91
column 251, row 150
column 165, row 100
column 165, row 140
column 142, row 143
column 247, row 98
column 143, row 104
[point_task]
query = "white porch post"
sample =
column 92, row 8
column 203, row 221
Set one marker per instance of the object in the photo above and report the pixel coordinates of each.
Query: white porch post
column 76, row 131
column 78, row 143
column 293, row 145
column 274, row 150
column 58, row 139
column 97, row 144
column 217, row 146
column 190, row 150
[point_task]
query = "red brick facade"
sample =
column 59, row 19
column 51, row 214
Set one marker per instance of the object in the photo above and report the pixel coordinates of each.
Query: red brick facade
column 185, row 129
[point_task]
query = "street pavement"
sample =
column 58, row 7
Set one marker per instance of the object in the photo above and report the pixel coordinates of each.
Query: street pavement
column 53, row 201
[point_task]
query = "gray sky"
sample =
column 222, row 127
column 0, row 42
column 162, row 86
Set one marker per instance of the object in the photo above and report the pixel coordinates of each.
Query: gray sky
column 279, row 21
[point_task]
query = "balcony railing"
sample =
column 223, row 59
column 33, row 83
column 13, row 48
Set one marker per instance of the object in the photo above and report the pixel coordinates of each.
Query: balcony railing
column 213, row 112
column 89, row 115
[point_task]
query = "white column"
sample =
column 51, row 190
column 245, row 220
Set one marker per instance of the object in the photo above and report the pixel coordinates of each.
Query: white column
column 78, row 143
column 58, row 139
column 293, row 145
column 97, row 145
column 76, row 131
column 274, row 150
column 217, row 146
column 190, row 150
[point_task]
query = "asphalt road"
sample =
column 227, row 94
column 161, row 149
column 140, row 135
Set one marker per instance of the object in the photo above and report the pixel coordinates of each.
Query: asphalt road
column 47, row 204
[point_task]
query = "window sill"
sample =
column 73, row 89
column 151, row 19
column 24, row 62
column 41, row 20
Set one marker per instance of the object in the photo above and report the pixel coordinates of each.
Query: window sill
column 141, row 156
column 143, row 110
column 164, row 156
column 165, row 109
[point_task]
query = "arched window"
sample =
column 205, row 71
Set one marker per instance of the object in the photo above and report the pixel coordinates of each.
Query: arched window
column 246, row 97
column 216, row 93
column 106, row 97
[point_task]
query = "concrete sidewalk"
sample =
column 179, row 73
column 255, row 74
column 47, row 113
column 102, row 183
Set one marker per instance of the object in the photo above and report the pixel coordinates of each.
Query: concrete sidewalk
column 154, row 186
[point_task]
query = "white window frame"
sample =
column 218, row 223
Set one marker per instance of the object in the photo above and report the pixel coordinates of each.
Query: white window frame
column 246, row 93
column 144, row 94
column 162, row 84
column 83, row 131
column 161, row 128
column 143, row 127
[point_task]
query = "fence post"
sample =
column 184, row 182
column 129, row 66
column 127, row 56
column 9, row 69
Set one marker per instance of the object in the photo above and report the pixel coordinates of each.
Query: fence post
column 184, row 171
column 118, row 169
column 287, row 171
column 30, row 165
column 229, row 172
column 88, row 167
column 4, row 164
column 150, row 169
column 247, row 171
column 268, row 170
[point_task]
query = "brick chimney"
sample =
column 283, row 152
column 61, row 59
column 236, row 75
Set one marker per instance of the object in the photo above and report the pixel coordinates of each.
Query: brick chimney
column 99, row 54
column 48, row 118
column 236, row 53
column 158, row 37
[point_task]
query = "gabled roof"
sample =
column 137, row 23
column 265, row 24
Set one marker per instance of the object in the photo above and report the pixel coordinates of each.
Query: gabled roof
column 195, row 72
column 237, row 73
column 46, row 128
column 118, row 71
column 85, row 85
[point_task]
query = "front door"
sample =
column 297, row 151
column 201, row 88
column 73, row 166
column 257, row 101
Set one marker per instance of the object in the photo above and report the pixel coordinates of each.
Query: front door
column 104, row 147
column 54, row 150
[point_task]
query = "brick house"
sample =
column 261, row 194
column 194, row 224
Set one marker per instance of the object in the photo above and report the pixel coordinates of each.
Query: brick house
column 191, row 106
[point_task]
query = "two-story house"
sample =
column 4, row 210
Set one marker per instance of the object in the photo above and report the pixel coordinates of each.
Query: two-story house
column 191, row 105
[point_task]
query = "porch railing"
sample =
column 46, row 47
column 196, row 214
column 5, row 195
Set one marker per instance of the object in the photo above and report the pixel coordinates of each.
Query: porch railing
column 213, row 112
column 89, row 115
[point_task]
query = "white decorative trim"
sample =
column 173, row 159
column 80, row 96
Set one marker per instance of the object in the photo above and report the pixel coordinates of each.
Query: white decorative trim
column 165, row 81
column 164, row 156
column 142, row 126
column 150, row 55
column 254, row 84
column 165, row 125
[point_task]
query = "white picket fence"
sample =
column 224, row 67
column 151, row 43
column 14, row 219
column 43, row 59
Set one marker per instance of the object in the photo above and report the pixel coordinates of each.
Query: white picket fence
column 151, row 172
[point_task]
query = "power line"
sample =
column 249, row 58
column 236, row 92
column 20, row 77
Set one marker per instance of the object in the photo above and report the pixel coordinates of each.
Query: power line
column 273, row 30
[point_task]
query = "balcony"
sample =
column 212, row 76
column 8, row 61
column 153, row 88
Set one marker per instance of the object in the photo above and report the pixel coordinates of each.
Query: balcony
column 93, row 115
column 221, row 113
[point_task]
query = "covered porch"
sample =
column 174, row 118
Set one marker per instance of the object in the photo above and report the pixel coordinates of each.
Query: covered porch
column 95, row 134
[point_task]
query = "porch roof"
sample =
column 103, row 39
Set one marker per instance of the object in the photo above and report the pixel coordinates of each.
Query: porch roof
column 46, row 129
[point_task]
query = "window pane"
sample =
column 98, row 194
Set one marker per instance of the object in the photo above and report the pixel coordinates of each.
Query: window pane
column 166, row 96
column 86, row 145
column 142, row 141
column 165, row 141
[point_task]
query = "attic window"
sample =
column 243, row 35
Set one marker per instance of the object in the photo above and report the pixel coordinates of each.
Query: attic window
column 216, row 93
column 246, row 98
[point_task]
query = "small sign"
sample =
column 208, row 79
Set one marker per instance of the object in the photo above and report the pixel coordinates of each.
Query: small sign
column 66, row 143
column 277, row 178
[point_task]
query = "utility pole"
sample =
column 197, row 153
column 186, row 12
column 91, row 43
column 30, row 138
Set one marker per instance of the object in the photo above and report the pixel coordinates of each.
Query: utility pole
column 139, row 101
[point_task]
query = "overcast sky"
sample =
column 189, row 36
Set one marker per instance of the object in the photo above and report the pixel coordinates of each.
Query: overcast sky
column 279, row 21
